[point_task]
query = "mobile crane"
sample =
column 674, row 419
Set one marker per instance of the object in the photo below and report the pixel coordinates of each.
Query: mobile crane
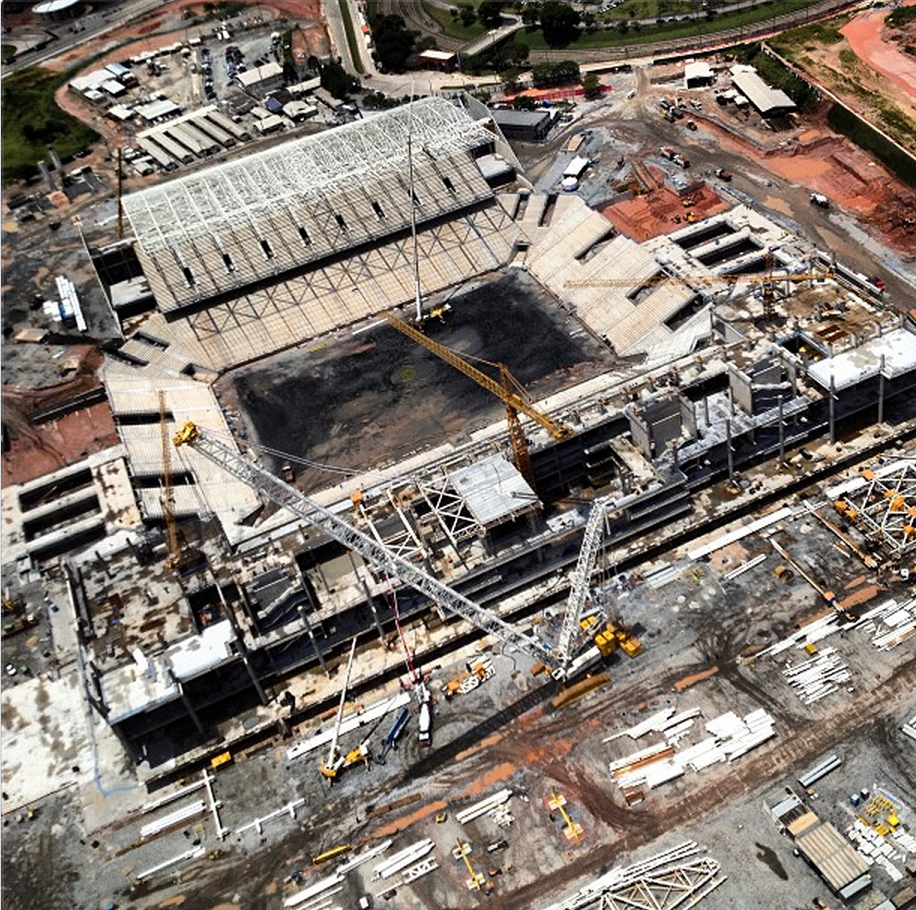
column 336, row 759
column 373, row 551
column 508, row 389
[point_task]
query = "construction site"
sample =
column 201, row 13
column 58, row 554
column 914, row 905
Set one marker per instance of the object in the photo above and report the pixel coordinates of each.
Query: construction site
column 411, row 528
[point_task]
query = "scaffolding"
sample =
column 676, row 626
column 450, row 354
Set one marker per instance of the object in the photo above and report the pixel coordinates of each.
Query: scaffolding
column 250, row 218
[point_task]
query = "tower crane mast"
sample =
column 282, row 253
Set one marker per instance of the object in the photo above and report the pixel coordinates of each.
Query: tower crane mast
column 343, row 532
column 578, row 589
column 508, row 389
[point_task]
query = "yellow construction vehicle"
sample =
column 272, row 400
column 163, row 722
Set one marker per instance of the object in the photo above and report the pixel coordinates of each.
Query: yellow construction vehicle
column 508, row 389
column 477, row 673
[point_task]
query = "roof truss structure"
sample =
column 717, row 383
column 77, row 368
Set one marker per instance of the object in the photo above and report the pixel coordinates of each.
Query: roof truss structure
column 256, row 217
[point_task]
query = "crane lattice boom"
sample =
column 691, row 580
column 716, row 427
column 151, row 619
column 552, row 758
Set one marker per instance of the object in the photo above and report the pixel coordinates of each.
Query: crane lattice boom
column 343, row 532
column 580, row 577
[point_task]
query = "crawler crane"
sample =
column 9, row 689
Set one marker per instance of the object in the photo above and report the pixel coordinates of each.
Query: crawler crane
column 374, row 552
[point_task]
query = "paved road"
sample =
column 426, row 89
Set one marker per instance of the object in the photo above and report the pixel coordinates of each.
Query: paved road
column 98, row 25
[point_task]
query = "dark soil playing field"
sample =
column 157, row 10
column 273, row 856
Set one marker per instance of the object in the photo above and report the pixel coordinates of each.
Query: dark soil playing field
column 366, row 400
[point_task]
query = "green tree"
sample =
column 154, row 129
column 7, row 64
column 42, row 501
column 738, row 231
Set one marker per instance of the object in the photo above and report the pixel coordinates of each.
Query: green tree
column 336, row 80
column 490, row 12
column 468, row 15
column 592, row 86
column 394, row 42
column 531, row 14
column 524, row 103
column 559, row 23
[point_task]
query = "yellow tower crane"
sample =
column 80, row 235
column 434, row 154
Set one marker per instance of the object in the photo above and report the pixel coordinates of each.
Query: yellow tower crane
column 508, row 389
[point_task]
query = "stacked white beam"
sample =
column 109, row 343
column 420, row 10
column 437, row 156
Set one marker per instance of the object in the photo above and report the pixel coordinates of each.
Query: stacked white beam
column 818, row 771
column 172, row 797
column 905, row 841
column 324, row 887
column 354, row 861
column 899, row 624
column 741, row 532
column 874, row 848
column 702, row 755
column 744, row 567
column 178, row 817
column 409, row 856
column 188, row 855
column 757, row 728
column 818, row 677
column 483, row 807
column 621, row 763
column 677, row 727
column 806, row 635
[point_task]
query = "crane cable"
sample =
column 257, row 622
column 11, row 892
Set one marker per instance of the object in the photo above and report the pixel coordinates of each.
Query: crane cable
column 411, row 668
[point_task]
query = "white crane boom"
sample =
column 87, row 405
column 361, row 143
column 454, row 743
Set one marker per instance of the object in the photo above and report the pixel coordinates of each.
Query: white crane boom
column 580, row 577
column 332, row 754
column 343, row 532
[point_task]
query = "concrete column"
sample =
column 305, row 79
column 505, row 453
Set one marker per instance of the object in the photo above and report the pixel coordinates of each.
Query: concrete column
column 369, row 598
column 782, row 434
column 832, row 409
column 303, row 615
column 728, row 449
column 243, row 648
column 189, row 707
column 706, row 411
column 881, row 392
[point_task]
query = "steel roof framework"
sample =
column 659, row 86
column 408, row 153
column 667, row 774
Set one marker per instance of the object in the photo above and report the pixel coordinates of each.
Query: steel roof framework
column 680, row 877
column 885, row 508
column 353, row 156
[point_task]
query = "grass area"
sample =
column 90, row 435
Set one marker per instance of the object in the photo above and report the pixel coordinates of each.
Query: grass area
column 844, row 121
column 453, row 28
column 352, row 40
column 901, row 17
column 790, row 44
column 7, row 52
column 33, row 121
column 613, row 37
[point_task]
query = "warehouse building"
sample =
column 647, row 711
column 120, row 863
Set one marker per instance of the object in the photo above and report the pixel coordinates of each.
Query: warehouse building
column 767, row 101
column 524, row 126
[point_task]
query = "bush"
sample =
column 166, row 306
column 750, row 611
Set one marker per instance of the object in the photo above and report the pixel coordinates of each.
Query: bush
column 32, row 121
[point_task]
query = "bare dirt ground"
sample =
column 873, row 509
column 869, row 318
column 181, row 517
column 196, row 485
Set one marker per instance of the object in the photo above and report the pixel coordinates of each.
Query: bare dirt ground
column 656, row 209
column 366, row 400
column 868, row 71
column 35, row 451
column 876, row 46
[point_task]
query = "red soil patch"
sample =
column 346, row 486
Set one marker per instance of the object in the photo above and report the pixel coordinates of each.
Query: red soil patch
column 497, row 774
column 655, row 212
column 405, row 821
column 864, row 34
column 688, row 681
column 863, row 595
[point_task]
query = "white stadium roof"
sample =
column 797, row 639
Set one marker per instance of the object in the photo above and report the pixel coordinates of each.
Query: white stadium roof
column 251, row 219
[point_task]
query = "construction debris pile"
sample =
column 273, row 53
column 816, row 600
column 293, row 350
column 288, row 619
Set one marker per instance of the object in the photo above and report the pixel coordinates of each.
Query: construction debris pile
column 730, row 737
